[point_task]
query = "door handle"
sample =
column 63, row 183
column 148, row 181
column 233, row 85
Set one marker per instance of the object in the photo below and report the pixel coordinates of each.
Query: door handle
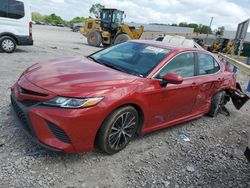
column 194, row 83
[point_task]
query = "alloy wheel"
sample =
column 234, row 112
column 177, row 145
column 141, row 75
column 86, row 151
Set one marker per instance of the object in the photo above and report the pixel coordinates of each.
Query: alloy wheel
column 122, row 130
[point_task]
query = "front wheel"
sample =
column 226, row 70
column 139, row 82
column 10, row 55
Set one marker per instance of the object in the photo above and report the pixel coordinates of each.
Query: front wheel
column 118, row 130
column 121, row 38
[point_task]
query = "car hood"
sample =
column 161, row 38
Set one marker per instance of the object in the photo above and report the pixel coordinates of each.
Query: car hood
column 76, row 76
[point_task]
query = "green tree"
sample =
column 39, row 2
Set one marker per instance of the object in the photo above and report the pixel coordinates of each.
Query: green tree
column 194, row 25
column 205, row 29
column 220, row 30
column 54, row 19
column 174, row 24
column 78, row 20
column 96, row 9
column 183, row 24
column 37, row 17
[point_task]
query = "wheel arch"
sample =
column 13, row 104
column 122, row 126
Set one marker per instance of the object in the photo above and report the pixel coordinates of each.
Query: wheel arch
column 138, row 109
column 9, row 35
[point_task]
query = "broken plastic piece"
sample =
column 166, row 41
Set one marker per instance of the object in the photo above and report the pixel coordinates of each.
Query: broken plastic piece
column 184, row 137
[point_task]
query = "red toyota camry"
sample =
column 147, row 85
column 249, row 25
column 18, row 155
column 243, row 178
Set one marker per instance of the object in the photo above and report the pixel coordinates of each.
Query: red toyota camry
column 137, row 87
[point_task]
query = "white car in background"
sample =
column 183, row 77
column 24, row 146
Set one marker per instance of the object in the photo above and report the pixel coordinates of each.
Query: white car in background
column 15, row 24
column 179, row 41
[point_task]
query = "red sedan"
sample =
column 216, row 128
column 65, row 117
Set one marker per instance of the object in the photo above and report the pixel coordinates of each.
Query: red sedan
column 137, row 87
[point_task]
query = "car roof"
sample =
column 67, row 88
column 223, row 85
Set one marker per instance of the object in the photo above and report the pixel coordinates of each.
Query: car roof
column 166, row 46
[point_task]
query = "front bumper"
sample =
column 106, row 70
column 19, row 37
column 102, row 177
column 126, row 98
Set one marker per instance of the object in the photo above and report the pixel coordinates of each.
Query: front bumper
column 68, row 130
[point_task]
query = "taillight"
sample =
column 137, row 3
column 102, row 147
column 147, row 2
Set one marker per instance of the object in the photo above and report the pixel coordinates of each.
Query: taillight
column 30, row 29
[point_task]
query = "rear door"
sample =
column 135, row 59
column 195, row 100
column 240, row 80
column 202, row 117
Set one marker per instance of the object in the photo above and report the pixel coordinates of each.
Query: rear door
column 208, row 77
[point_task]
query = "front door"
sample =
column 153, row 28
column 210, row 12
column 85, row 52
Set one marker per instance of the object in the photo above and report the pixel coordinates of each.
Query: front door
column 174, row 102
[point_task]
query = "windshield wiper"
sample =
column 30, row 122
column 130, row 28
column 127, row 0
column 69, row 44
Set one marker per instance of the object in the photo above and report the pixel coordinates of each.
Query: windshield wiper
column 114, row 67
column 106, row 64
column 123, row 70
column 136, row 74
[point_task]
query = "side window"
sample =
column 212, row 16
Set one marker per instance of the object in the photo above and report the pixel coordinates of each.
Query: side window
column 207, row 64
column 183, row 64
column 3, row 8
column 16, row 9
column 11, row 9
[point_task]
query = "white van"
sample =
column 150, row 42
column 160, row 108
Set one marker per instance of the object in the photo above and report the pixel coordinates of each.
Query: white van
column 15, row 24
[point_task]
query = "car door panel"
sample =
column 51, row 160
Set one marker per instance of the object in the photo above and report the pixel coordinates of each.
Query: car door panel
column 173, row 102
column 208, row 83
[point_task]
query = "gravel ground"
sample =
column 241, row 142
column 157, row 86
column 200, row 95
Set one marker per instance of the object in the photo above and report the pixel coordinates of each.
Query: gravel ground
column 212, row 158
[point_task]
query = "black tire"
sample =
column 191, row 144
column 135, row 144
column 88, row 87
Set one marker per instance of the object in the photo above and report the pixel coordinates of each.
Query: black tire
column 217, row 101
column 105, row 45
column 121, row 38
column 118, row 129
column 94, row 38
column 7, row 44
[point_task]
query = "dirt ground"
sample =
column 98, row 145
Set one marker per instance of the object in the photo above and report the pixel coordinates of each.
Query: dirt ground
column 212, row 158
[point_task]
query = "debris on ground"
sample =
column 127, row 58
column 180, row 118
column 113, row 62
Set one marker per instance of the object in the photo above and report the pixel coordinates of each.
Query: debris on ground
column 184, row 137
column 190, row 168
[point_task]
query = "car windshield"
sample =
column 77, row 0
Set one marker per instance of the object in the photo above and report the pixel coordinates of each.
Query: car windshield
column 131, row 57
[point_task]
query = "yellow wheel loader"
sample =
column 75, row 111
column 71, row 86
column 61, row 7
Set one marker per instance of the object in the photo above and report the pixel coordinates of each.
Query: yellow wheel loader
column 222, row 45
column 109, row 29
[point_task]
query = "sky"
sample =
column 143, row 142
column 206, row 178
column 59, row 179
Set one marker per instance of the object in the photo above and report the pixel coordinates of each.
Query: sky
column 227, row 13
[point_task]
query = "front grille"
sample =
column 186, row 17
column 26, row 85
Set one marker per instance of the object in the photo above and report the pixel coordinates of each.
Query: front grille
column 21, row 115
column 59, row 133
column 29, row 92
column 30, row 103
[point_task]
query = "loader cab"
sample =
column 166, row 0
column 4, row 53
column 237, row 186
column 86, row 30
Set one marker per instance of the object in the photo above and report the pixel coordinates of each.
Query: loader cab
column 111, row 19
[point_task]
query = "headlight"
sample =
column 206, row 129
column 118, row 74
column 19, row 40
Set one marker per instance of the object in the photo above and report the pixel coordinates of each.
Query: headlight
column 65, row 102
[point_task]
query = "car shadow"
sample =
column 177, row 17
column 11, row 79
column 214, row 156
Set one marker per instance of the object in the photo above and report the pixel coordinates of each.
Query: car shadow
column 18, row 50
column 28, row 148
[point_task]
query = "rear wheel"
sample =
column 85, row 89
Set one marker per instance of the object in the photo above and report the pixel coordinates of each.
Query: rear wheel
column 94, row 38
column 218, row 101
column 121, row 38
column 118, row 130
column 8, row 44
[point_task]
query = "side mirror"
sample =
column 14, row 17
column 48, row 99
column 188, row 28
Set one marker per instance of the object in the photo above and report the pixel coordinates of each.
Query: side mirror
column 171, row 78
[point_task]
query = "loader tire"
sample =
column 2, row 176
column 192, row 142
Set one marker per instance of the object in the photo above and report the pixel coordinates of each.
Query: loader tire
column 121, row 38
column 94, row 38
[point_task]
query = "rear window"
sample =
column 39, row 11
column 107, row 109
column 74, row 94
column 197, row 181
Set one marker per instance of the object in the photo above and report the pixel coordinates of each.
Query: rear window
column 11, row 9
column 207, row 64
